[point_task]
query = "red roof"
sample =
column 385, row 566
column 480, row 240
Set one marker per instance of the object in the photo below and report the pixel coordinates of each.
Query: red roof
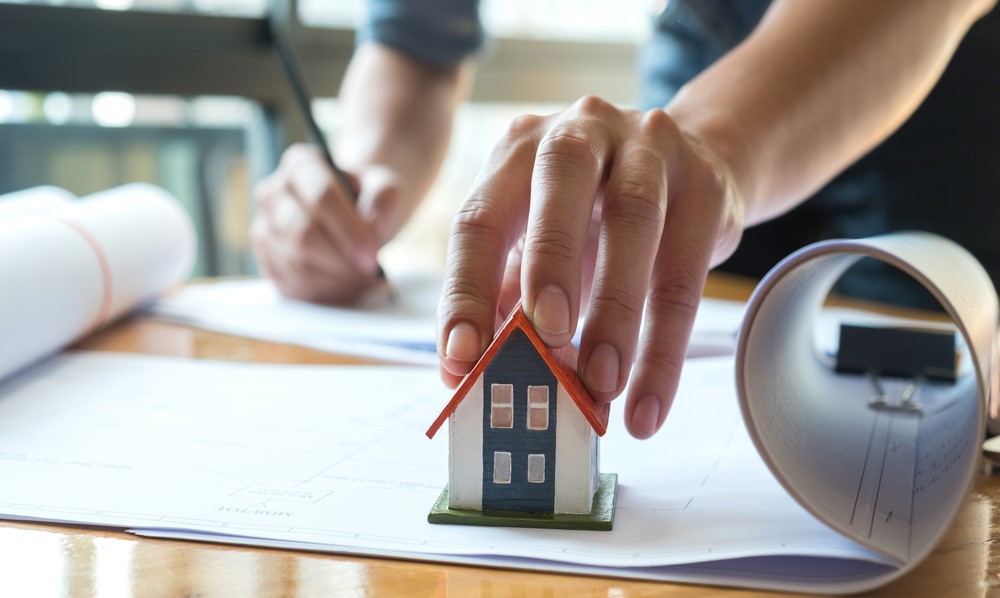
column 596, row 413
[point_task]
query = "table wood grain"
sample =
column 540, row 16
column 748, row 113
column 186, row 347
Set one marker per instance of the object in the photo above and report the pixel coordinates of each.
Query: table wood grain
column 44, row 560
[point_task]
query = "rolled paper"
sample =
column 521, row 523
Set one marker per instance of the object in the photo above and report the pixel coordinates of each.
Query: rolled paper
column 67, row 268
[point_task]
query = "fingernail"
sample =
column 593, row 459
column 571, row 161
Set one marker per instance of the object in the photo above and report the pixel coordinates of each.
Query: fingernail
column 551, row 312
column 646, row 417
column 463, row 343
column 602, row 368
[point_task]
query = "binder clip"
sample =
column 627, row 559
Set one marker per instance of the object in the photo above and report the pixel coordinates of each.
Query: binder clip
column 909, row 353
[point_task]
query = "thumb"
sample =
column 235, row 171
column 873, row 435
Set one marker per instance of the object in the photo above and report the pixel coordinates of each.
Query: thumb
column 379, row 202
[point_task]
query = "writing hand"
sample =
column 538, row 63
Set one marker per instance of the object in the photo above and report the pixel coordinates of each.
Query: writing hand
column 309, row 236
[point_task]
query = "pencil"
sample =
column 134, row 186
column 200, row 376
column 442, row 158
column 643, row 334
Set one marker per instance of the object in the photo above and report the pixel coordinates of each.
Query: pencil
column 290, row 66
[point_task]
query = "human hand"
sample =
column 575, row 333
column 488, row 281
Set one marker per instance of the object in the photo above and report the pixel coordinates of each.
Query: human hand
column 600, row 207
column 309, row 236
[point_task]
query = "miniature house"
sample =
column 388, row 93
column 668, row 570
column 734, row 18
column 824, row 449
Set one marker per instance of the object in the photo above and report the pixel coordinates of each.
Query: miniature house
column 523, row 431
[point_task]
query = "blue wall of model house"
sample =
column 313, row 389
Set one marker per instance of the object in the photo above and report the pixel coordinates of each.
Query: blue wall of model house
column 519, row 364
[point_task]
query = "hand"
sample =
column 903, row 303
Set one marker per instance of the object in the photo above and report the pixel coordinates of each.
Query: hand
column 308, row 235
column 599, row 207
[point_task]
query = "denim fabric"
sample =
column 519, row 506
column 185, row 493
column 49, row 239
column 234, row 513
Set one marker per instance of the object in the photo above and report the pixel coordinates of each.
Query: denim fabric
column 688, row 36
column 439, row 32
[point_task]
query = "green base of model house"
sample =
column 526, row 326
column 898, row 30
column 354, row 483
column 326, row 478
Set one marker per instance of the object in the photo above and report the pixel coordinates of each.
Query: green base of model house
column 601, row 517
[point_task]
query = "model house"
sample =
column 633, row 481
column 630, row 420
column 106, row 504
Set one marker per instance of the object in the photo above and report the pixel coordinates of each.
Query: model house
column 523, row 431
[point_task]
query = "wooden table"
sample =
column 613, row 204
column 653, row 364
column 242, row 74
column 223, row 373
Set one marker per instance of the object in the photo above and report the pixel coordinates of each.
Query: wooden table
column 61, row 560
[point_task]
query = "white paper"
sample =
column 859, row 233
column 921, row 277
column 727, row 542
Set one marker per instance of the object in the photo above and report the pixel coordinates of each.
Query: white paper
column 397, row 325
column 335, row 458
column 889, row 478
column 68, row 268
column 33, row 200
column 394, row 325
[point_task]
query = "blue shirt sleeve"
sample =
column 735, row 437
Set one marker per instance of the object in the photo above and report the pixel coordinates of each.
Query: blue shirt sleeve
column 439, row 32
column 688, row 36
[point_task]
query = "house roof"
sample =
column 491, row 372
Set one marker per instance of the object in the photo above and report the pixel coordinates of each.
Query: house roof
column 562, row 366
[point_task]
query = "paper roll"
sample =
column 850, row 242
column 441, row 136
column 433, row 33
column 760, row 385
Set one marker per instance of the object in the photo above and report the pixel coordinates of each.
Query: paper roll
column 66, row 269
column 892, row 480
column 36, row 199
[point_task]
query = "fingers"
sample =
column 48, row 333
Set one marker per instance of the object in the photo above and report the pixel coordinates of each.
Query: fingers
column 676, row 286
column 289, row 281
column 556, row 182
column 311, row 181
column 295, row 234
column 380, row 203
column 569, row 167
column 308, row 236
column 633, row 215
column 297, row 257
column 510, row 290
column 483, row 232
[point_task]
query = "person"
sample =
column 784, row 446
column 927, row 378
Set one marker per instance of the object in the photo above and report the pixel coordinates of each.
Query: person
column 753, row 107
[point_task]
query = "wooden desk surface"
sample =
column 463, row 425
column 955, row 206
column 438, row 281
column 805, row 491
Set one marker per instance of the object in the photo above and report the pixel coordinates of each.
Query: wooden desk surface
column 60, row 560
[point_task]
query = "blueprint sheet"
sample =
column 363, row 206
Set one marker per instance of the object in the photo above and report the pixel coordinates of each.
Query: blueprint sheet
column 394, row 323
column 334, row 458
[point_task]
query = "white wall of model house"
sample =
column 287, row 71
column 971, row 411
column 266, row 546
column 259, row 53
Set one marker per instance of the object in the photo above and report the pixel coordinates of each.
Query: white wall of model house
column 576, row 454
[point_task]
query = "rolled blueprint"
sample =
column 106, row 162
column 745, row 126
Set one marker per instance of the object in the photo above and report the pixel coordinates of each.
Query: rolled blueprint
column 36, row 199
column 69, row 267
column 892, row 479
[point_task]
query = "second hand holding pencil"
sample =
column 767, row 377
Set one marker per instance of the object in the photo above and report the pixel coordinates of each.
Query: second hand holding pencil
column 290, row 66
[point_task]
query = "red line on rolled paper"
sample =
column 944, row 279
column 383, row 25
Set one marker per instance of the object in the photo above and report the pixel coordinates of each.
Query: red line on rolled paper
column 104, row 311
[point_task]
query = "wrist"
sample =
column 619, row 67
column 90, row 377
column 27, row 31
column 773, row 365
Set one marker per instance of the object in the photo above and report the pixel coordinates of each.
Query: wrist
column 397, row 115
column 725, row 142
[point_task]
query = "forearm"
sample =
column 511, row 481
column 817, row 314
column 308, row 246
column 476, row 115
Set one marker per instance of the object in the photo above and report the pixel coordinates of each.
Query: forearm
column 397, row 112
column 817, row 85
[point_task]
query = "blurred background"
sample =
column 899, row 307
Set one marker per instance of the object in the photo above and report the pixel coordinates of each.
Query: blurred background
column 186, row 94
